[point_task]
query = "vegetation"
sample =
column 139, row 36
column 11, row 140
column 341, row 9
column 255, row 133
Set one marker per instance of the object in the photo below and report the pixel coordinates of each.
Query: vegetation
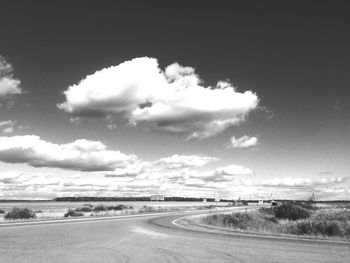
column 72, row 213
column 289, row 218
column 100, row 208
column 291, row 211
column 20, row 213
column 84, row 209
column 2, row 211
column 117, row 207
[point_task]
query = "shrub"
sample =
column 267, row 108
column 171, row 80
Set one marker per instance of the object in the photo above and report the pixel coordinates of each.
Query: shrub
column 238, row 220
column 20, row 213
column 307, row 205
column 147, row 209
column 83, row 209
column 291, row 211
column 116, row 207
column 235, row 220
column 267, row 210
column 325, row 228
column 339, row 215
column 2, row 211
column 71, row 213
column 100, row 208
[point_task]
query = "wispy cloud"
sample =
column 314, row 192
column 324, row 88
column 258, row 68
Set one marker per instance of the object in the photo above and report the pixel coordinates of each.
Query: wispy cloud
column 172, row 101
column 242, row 142
column 181, row 161
column 7, row 126
column 8, row 84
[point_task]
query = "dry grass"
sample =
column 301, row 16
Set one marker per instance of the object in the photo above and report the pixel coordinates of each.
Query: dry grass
column 320, row 222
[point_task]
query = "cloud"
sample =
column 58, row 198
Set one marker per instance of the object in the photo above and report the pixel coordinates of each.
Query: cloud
column 226, row 174
column 7, row 126
column 172, row 101
column 297, row 182
column 243, row 142
column 80, row 155
column 8, row 84
column 181, row 161
column 17, row 184
column 326, row 173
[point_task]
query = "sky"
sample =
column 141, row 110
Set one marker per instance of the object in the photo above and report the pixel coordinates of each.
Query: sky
column 236, row 99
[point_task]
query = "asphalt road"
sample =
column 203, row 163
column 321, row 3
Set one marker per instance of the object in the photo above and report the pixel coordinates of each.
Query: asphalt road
column 152, row 239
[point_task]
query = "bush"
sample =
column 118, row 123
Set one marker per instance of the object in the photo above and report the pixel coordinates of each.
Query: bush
column 100, row 208
column 147, row 209
column 307, row 205
column 20, row 213
column 330, row 215
column 71, row 213
column 267, row 210
column 235, row 220
column 324, row 228
column 116, row 207
column 2, row 211
column 83, row 209
column 291, row 211
column 238, row 220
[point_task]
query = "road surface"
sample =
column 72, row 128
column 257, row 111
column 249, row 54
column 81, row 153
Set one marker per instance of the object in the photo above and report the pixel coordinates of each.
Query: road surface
column 152, row 239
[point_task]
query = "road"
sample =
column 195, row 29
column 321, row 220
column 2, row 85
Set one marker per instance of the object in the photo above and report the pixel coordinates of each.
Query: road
column 152, row 238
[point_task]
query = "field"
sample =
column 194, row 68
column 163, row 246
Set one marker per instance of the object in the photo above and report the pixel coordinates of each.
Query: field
column 301, row 219
column 55, row 210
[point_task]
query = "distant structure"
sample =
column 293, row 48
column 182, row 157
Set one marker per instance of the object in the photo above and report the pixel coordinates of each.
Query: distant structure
column 204, row 200
column 312, row 198
column 157, row 198
column 217, row 198
column 260, row 201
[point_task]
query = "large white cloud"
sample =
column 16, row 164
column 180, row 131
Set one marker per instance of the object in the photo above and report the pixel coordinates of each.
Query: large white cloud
column 82, row 155
column 242, row 142
column 173, row 100
column 8, row 84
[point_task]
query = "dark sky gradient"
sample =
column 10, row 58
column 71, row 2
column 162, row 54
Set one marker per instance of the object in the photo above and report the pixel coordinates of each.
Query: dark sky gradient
column 294, row 54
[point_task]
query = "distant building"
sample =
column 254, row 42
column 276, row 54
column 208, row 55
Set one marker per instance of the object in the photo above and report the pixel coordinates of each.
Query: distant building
column 204, row 200
column 260, row 201
column 157, row 198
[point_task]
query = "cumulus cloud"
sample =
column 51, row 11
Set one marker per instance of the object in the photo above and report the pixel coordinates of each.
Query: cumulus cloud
column 181, row 161
column 82, row 155
column 173, row 100
column 8, row 84
column 243, row 142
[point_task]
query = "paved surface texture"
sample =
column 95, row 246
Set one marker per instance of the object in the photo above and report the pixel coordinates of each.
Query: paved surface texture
column 152, row 239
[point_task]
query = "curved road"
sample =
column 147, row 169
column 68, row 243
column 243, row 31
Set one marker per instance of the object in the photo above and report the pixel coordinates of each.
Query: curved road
column 151, row 238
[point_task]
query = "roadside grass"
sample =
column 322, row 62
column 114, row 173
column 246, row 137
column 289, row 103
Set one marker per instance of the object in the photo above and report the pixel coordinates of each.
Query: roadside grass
column 289, row 218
